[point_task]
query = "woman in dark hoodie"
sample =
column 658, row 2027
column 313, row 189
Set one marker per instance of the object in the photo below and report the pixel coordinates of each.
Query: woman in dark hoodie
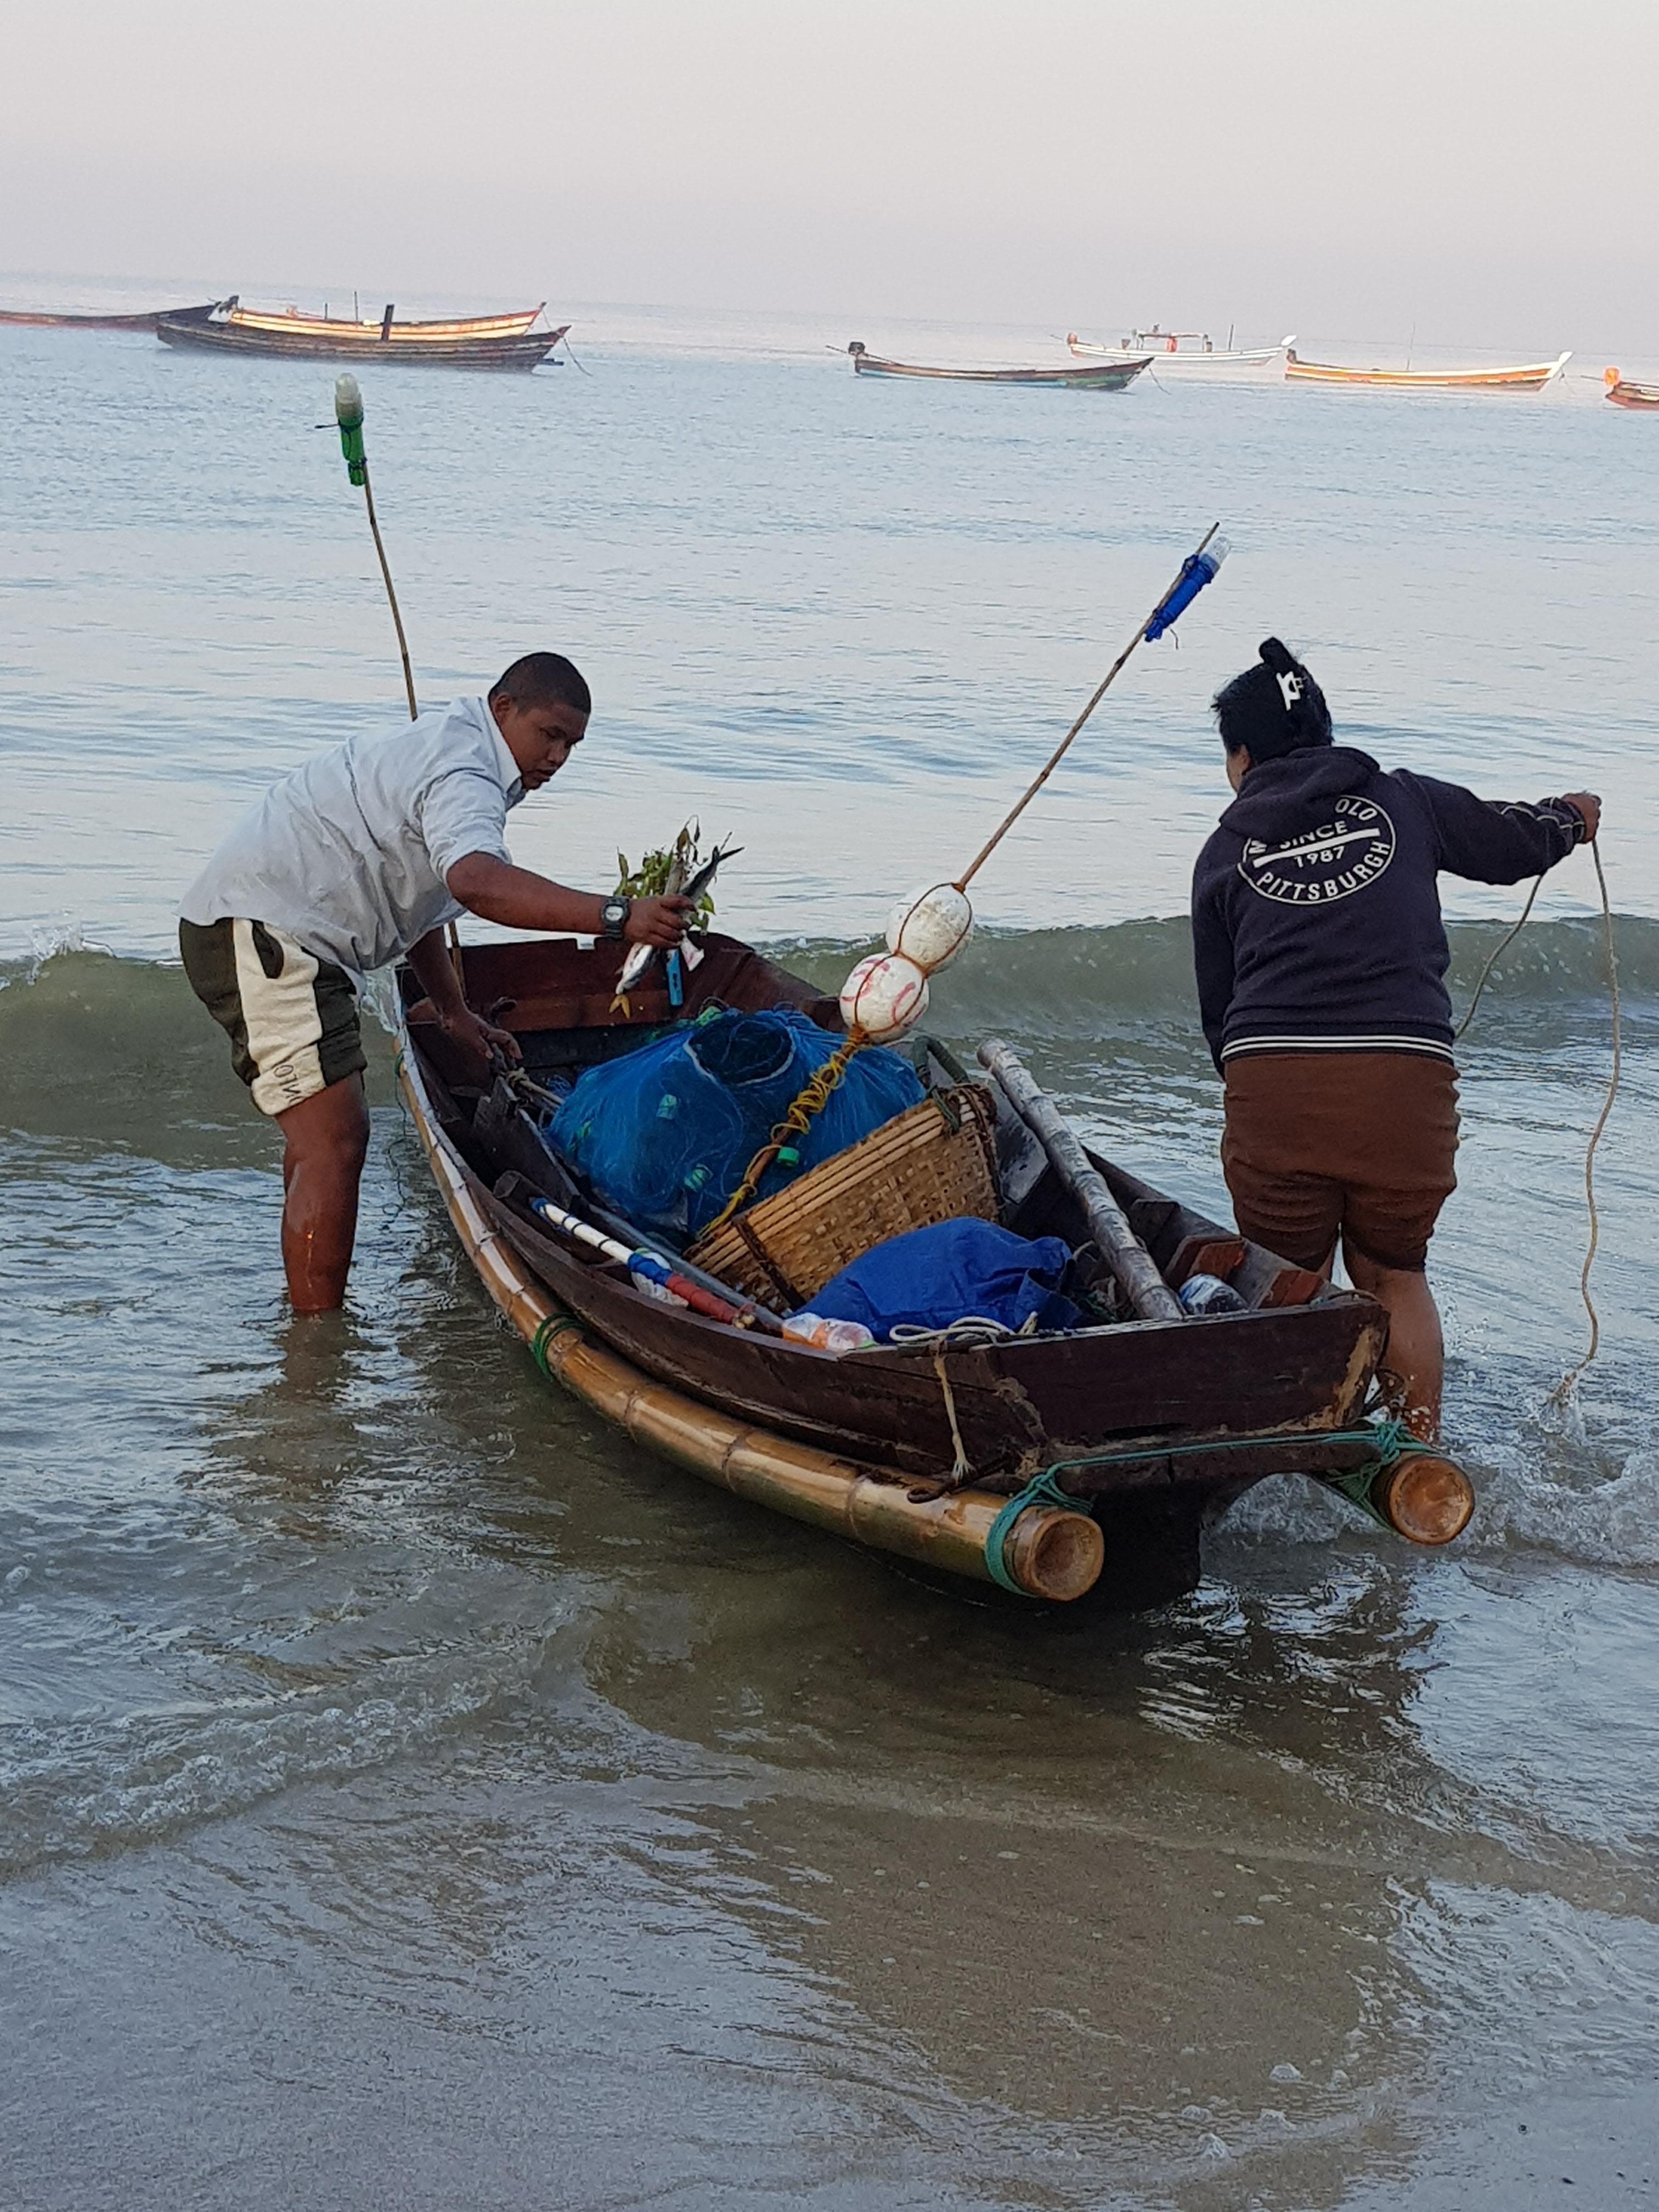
column 1322, row 960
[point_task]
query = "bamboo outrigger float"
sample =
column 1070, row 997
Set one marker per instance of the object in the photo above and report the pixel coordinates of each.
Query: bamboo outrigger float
column 1094, row 1458
column 1533, row 376
column 499, row 342
column 1095, row 376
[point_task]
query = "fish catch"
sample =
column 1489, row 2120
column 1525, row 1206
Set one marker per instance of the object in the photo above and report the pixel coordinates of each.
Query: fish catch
column 638, row 962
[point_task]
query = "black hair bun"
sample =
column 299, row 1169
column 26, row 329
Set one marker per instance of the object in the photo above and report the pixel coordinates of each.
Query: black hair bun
column 1278, row 657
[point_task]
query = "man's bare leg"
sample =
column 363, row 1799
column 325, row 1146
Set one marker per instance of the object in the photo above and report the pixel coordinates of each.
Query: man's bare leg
column 326, row 1138
column 1416, row 1351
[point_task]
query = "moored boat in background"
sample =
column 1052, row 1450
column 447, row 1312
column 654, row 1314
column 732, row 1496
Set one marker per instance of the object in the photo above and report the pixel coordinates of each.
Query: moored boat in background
column 507, row 341
column 1185, row 352
column 1625, row 393
column 1097, row 376
column 1532, row 376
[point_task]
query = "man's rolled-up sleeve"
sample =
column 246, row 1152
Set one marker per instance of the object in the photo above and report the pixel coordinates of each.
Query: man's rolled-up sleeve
column 461, row 812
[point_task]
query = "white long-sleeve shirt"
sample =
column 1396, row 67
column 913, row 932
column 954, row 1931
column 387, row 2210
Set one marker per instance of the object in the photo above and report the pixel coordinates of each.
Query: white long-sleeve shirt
column 349, row 853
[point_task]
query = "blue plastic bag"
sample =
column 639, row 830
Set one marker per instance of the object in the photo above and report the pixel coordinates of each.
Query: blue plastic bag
column 664, row 1133
column 929, row 1277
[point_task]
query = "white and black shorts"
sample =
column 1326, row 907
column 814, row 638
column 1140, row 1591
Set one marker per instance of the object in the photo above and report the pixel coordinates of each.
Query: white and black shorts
column 291, row 1018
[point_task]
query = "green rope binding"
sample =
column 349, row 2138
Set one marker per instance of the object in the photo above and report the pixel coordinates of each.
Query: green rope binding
column 554, row 1326
column 1389, row 1438
column 1041, row 1490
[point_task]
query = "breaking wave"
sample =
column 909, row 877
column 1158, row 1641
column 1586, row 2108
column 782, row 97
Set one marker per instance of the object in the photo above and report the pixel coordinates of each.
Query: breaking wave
column 76, row 1022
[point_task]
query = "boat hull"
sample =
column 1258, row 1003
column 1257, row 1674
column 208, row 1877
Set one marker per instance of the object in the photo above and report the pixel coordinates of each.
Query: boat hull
column 1187, row 1415
column 1533, row 376
column 1627, row 394
column 357, row 343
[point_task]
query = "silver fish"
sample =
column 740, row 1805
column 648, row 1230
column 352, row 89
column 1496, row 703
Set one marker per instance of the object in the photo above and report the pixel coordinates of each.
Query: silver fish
column 641, row 956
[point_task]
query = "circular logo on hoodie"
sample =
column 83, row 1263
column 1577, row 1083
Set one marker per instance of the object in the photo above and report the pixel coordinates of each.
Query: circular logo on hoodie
column 1332, row 861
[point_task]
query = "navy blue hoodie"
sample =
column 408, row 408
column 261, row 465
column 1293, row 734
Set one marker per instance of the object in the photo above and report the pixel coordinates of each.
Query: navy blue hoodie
column 1316, row 916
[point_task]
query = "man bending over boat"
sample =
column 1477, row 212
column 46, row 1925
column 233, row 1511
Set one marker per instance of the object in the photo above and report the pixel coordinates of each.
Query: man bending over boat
column 358, row 859
column 1322, row 960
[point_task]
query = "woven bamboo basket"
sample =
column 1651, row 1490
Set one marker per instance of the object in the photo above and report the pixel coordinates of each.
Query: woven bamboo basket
column 934, row 1161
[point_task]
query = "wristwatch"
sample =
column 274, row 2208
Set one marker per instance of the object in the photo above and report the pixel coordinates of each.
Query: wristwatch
column 613, row 914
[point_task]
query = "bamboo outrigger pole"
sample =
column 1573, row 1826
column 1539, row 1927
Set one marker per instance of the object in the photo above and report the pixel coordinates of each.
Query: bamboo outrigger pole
column 348, row 414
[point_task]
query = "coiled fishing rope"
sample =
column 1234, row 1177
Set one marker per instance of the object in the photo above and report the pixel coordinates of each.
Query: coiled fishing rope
column 1563, row 1389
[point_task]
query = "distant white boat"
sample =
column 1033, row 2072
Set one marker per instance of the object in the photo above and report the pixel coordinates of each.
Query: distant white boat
column 1186, row 352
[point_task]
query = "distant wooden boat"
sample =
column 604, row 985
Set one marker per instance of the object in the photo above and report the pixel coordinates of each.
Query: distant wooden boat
column 1533, row 377
column 500, row 341
column 1184, row 352
column 1097, row 376
column 291, row 322
column 144, row 322
column 1623, row 393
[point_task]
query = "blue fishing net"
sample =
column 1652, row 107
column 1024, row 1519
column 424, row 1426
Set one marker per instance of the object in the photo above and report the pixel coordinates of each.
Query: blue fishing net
column 663, row 1133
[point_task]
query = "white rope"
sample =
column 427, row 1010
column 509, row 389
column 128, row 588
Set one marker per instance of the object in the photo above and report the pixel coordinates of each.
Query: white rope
column 1569, row 1382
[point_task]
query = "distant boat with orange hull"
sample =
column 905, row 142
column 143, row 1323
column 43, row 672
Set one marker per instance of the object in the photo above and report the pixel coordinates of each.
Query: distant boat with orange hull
column 1533, row 377
column 1623, row 394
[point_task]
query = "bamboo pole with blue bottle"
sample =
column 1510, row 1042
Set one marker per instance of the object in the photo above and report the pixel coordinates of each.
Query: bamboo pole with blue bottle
column 348, row 414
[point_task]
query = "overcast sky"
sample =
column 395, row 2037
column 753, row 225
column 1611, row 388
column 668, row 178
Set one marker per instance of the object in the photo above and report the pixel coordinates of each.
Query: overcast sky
column 1488, row 173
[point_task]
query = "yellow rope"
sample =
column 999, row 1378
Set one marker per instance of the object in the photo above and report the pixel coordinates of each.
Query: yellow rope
column 812, row 1099
column 1564, row 1388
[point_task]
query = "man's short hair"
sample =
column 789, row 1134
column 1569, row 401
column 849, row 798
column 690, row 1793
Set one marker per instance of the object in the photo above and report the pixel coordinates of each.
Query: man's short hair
column 544, row 679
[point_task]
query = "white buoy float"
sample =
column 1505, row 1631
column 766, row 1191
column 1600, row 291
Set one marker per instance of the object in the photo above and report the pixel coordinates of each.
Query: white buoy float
column 884, row 995
column 931, row 926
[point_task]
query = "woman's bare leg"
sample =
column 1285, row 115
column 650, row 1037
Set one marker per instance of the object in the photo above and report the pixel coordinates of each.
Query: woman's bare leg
column 1416, row 1351
column 327, row 1138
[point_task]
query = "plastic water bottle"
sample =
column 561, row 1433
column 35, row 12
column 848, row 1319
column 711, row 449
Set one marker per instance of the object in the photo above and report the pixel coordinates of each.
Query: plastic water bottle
column 1208, row 1294
column 828, row 1335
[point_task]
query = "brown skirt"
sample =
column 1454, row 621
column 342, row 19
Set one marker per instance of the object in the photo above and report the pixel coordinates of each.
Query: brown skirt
column 1355, row 1145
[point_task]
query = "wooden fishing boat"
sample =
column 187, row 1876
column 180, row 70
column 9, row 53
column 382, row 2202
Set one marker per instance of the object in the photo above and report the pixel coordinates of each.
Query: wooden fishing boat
column 1136, row 1432
column 144, row 322
column 1625, row 393
column 1096, row 376
column 499, row 342
column 1533, row 377
column 1185, row 353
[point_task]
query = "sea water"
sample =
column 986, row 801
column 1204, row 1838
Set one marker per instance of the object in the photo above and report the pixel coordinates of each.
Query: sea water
column 410, row 1792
